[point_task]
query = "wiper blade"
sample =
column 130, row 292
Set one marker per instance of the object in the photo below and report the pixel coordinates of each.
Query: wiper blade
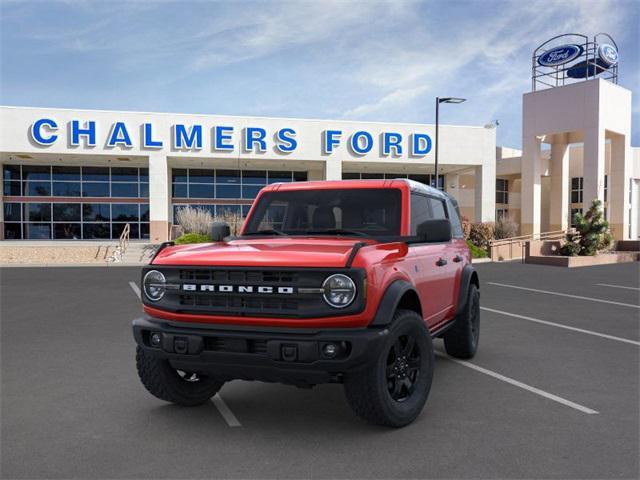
column 268, row 231
column 336, row 231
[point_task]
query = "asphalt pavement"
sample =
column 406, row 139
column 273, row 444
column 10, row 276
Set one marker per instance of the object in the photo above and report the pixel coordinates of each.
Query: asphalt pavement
column 553, row 392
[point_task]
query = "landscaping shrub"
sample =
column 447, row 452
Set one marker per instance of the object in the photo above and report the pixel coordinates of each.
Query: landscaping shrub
column 481, row 234
column 476, row 252
column 194, row 220
column 591, row 233
column 505, row 227
column 193, row 238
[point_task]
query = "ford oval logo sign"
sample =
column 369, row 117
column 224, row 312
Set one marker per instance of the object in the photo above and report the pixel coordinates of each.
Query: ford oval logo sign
column 560, row 55
column 608, row 54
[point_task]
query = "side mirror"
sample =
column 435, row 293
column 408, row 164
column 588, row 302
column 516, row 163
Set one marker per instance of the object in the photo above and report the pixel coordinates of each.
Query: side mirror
column 436, row 231
column 219, row 231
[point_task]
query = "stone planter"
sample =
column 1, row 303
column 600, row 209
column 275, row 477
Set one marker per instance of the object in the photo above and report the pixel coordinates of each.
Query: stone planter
column 546, row 253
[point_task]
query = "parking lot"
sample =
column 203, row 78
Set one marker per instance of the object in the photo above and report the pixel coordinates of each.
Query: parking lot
column 553, row 391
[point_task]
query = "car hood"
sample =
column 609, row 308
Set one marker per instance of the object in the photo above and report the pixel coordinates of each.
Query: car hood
column 264, row 252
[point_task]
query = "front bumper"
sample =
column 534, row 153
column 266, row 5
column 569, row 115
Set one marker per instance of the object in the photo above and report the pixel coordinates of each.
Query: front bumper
column 292, row 356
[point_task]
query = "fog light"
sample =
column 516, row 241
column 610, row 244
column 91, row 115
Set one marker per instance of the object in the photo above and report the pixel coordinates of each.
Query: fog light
column 155, row 339
column 330, row 350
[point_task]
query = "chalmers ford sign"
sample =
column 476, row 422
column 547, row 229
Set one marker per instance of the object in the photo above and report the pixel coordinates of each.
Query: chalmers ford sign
column 46, row 132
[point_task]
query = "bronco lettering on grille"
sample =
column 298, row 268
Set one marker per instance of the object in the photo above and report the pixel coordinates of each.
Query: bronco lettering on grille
column 193, row 287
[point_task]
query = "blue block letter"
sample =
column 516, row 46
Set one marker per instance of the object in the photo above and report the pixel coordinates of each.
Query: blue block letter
column 331, row 139
column 36, row 131
column 391, row 140
column 286, row 140
column 89, row 131
column 184, row 139
column 355, row 142
column 221, row 137
column 147, row 138
column 255, row 135
column 119, row 136
column 421, row 144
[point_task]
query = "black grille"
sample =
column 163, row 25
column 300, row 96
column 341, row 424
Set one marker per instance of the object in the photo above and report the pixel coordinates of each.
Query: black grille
column 261, row 277
column 254, row 303
column 235, row 303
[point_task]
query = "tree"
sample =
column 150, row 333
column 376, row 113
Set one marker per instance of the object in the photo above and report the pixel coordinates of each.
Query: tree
column 591, row 235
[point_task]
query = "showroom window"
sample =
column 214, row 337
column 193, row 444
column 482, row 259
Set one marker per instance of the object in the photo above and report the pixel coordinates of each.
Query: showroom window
column 225, row 187
column 78, row 202
column 74, row 221
column 426, row 179
column 63, row 181
column 214, row 210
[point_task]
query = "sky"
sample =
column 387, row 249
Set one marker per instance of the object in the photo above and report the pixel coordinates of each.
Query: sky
column 344, row 60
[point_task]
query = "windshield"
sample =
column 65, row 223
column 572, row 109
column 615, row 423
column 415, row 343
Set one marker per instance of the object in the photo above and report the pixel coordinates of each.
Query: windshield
column 355, row 212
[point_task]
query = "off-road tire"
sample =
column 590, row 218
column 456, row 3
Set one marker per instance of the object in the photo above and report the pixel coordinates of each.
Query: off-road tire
column 461, row 340
column 370, row 391
column 166, row 383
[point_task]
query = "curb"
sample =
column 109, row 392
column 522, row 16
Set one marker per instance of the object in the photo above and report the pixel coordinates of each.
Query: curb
column 481, row 260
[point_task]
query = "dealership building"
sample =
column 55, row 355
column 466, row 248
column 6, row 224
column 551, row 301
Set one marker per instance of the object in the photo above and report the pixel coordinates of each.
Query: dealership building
column 86, row 174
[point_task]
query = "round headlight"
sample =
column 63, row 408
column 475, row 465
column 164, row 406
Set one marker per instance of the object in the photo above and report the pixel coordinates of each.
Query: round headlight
column 154, row 285
column 339, row 290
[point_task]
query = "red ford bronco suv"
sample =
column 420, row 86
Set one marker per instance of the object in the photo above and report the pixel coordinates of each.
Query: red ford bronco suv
column 335, row 281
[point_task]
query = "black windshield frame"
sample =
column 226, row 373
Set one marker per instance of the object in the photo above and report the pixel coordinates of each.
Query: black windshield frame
column 339, row 212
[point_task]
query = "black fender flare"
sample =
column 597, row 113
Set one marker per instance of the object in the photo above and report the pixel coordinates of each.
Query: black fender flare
column 390, row 301
column 469, row 276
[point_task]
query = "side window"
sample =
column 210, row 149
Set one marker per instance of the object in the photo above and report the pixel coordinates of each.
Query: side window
column 420, row 211
column 438, row 209
column 454, row 218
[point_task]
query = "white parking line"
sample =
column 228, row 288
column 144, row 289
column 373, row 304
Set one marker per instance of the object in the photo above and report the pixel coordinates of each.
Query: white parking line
column 225, row 411
column 135, row 288
column 524, row 386
column 590, row 299
column 566, row 327
column 617, row 286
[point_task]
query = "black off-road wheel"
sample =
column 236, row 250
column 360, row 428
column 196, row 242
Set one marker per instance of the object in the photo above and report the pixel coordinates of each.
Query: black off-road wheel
column 176, row 386
column 461, row 340
column 393, row 390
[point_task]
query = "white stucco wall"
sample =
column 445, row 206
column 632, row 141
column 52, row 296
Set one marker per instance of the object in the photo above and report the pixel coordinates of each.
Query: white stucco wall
column 460, row 147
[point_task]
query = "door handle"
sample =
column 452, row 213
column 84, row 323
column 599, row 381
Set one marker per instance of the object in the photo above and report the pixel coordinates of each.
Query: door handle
column 441, row 262
column 457, row 259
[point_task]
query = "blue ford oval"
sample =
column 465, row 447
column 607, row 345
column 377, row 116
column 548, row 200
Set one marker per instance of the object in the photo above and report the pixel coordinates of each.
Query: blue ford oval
column 560, row 55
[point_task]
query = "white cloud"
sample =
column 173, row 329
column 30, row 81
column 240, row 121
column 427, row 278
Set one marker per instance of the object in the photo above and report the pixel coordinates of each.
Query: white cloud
column 489, row 55
column 361, row 60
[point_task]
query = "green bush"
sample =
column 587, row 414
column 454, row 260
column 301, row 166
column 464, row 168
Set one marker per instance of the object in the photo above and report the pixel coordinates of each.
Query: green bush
column 192, row 238
column 591, row 235
column 476, row 252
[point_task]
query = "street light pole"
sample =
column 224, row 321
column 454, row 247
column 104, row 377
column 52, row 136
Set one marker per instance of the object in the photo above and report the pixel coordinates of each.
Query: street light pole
column 437, row 142
column 438, row 102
